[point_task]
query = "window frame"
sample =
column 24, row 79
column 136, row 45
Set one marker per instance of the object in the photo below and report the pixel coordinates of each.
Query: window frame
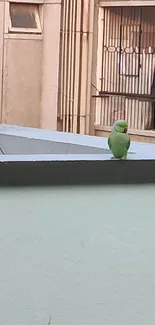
column 19, row 30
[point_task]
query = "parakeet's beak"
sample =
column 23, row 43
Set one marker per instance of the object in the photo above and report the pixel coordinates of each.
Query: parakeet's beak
column 125, row 130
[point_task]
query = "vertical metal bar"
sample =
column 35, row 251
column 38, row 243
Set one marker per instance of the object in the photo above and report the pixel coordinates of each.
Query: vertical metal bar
column 106, row 22
column 100, row 54
column 103, row 44
column 145, row 57
column 120, row 50
column 132, row 71
column 135, row 32
column 114, row 70
column 137, row 106
column 109, row 59
column 140, row 83
column 139, row 49
column 109, row 51
column 106, row 43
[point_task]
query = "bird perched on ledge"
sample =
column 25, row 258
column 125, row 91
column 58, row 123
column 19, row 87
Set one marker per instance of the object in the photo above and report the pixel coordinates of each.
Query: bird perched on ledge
column 119, row 140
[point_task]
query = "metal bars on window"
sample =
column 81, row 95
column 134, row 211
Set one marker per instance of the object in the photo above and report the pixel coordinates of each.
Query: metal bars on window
column 128, row 65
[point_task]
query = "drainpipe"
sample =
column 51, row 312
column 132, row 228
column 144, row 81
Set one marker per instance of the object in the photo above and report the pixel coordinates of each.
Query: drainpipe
column 77, row 67
column 84, row 55
column 89, row 66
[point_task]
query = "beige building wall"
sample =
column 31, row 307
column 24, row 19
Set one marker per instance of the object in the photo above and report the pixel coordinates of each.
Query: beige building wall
column 29, row 62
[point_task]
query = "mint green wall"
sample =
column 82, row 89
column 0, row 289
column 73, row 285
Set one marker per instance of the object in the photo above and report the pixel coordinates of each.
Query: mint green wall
column 83, row 255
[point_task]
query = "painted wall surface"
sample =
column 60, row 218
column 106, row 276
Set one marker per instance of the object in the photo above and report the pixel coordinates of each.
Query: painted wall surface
column 23, row 82
column 82, row 255
column 29, row 68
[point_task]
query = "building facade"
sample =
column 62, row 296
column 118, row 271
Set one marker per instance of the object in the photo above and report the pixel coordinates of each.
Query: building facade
column 77, row 66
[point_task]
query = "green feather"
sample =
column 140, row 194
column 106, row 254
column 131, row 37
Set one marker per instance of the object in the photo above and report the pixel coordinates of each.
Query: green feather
column 119, row 144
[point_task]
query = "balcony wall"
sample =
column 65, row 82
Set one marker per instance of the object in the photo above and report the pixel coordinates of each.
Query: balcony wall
column 80, row 255
column 80, row 250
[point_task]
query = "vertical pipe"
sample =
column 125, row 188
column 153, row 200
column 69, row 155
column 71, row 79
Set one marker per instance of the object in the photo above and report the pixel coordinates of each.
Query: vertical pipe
column 63, row 23
column 72, row 65
column 77, row 65
column 65, row 64
column 69, row 54
column 89, row 66
column 84, row 55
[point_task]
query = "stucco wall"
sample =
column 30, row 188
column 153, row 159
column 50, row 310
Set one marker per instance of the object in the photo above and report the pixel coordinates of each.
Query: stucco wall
column 29, row 69
column 23, row 82
column 82, row 255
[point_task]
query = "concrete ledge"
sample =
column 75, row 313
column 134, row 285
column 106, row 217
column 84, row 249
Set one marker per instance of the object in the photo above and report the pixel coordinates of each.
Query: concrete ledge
column 39, row 157
column 77, row 172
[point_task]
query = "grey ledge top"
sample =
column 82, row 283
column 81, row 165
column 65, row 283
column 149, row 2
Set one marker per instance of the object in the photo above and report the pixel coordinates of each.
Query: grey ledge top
column 31, row 156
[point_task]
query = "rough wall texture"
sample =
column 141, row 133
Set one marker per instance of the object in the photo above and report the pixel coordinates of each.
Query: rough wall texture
column 82, row 255
column 22, row 82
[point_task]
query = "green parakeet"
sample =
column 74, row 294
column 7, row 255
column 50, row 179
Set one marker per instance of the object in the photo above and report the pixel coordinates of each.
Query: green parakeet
column 119, row 140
